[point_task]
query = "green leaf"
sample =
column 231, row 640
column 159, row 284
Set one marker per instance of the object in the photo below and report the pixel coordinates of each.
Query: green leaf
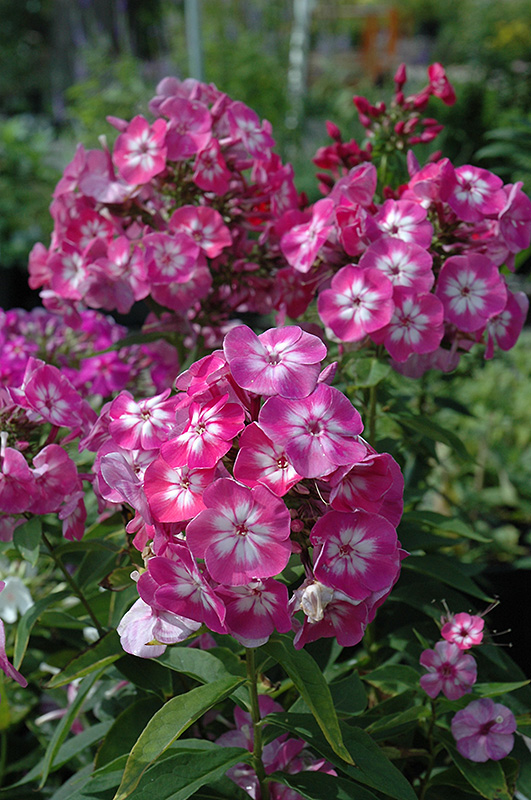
column 320, row 786
column 126, row 729
column 366, row 372
column 168, row 724
column 179, row 776
column 370, row 766
column 495, row 689
column 105, row 651
column 488, row 779
column 312, row 686
column 349, row 695
column 145, row 673
column 393, row 677
column 63, row 727
column 430, row 429
column 27, row 539
column 390, row 724
column 28, row 620
column 446, row 570
column 117, row 580
column 447, row 524
column 204, row 666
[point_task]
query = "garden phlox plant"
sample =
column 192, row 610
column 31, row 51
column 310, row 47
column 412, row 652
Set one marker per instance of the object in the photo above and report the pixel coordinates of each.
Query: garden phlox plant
column 255, row 463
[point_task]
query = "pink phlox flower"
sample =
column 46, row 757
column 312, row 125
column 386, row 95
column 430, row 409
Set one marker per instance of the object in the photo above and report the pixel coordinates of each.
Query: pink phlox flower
column 50, row 394
column 362, row 485
column 100, row 182
column 406, row 221
column 206, row 378
column 69, row 270
column 246, row 126
column 432, row 182
column 170, row 258
column 175, row 583
column 356, row 229
column 471, row 290
column 261, row 461
column 210, row 170
column 418, row 364
column 242, row 534
column 318, row 432
column 478, row 193
column 291, row 293
column 327, row 612
column 204, row 225
column 255, row 610
column 358, row 302
column 140, row 152
column 144, row 424
column 503, row 329
column 54, row 473
column 73, row 514
column 8, row 668
column 449, row 670
column 206, row 436
column 440, row 86
column 88, row 227
column 182, row 296
column 464, row 630
column 404, row 263
column 357, row 187
column 515, row 218
column 17, row 482
column 302, row 243
column 415, row 327
column 143, row 624
column 283, row 361
column 175, row 493
column 355, row 552
column 484, row 730
column 120, row 476
column 189, row 128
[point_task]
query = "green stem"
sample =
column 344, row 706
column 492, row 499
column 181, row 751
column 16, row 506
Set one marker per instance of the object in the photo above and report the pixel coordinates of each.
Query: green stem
column 426, row 779
column 73, row 585
column 258, row 764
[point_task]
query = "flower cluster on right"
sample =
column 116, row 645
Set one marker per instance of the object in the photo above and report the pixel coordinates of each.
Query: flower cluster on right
column 484, row 729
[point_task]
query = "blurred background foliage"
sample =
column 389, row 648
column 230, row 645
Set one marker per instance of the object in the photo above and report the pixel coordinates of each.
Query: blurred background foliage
column 66, row 64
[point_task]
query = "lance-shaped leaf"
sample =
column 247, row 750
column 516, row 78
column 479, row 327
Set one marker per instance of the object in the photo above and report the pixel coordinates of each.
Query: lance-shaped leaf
column 28, row 620
column 313, row 688
column 104, row 652
column 168, row 724
column 320, row 786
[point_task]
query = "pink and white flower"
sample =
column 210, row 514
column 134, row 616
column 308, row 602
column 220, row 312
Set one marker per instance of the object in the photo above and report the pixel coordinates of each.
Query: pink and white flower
column 464, row 630
column 471, row 290
column 140, row 152
column 415, row 327
column 484, row 730
column 261, row 461
column 449, row 670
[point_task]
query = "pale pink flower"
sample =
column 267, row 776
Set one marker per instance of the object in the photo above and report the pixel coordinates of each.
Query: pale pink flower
column 406, row 221
column 189, row 128
column 464, row 630
column 503, row 329
column 415, row 327
column 358, row 302
column 143, row 624
column 404, row 263
column 449, row 670
column 283, row 361
column 175, row 493
column 471, row 290
column 318, row 432
column 484, row 730
column 242, row 534
column 170, row 258
column 140, row 152
column 144, row 424
column 204, row 225
column 245, row 125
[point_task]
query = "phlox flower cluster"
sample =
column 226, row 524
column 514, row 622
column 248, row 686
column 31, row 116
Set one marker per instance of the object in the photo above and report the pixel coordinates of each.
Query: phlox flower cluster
column 255, row 463
column 417, row 272
column 484, row 729
column 175, row 213
column 77, row 353
column 282, row 754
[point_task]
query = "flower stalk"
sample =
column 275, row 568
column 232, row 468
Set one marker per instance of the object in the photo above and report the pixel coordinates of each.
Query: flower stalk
column 258, row 764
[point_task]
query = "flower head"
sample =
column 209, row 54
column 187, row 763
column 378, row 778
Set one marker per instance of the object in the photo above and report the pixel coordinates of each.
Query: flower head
column 483, row 730
column 449, row 670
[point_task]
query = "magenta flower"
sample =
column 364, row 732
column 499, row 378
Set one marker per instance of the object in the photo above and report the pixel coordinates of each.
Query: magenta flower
column 260, row 461
column 503, row 329
column 302, row 243
column 415, row 327
column 204, row 225
column 242, row 534
column 318, row 432
column 449, row 670
column 406, row 221
column 170, row 258
column 188, row 129
column 175, row 493
column 471, row 290
column 356, row 553
column 328, row 612
column 255, row 610
column 404, row 263
column 144, row 424
column 358, row 302
column 139, row 152
column 464, row 630
column 483, row 730
column 284, row 361
column 477, row 194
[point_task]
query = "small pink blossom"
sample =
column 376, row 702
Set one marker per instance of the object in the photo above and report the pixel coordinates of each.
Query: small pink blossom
column 144, row 424
column 140, row 152
column 449, row 670
column 440, row 86
column 189, row 128
column 358, row 302
column 284, row 361
column 484, row 730
column 143, row 624
column 406, row 221
column 175, row 493
column 204, row 226
column 260, row 461
column 477, row 194
column 255, row 610
column 404, row 263
column 503, row 329
column 170, row 258
column 415, row 327
column 471, row 290
column 302, row 243
column 464, row 630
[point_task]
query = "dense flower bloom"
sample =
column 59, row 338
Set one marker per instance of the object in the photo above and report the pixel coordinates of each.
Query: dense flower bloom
column 484, row 730
column 449, row 670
